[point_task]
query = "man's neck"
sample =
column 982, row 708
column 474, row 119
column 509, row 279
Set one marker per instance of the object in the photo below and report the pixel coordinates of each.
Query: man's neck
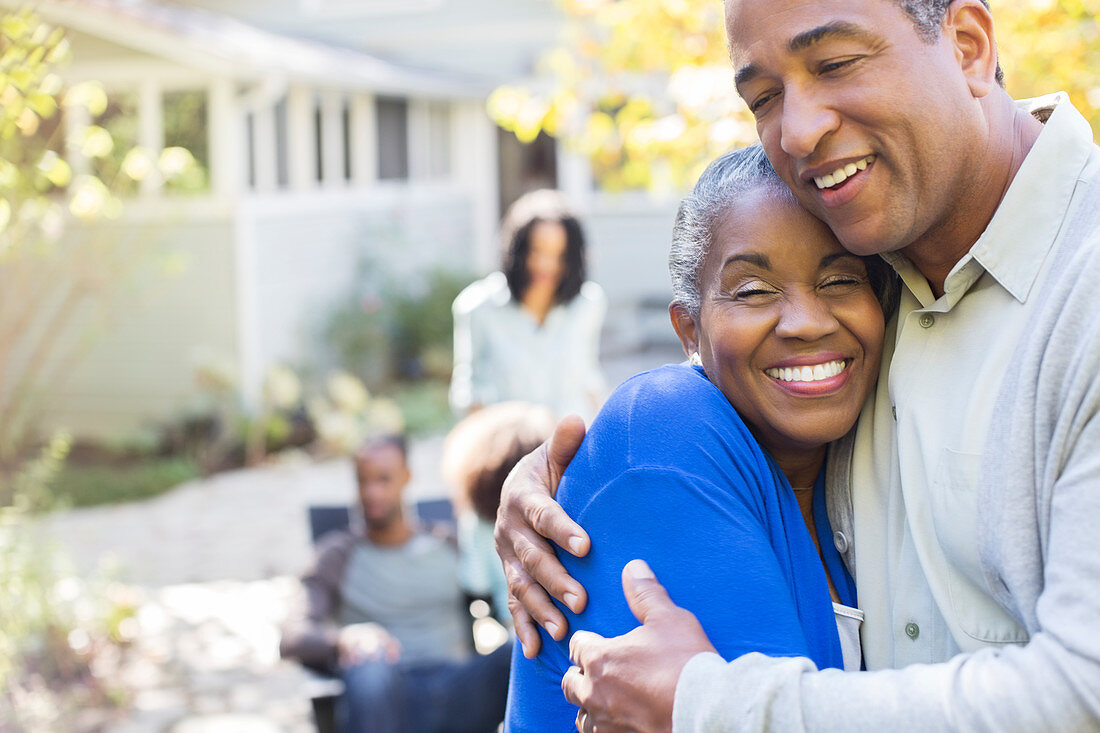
column 1013, row 132
column 392, row 534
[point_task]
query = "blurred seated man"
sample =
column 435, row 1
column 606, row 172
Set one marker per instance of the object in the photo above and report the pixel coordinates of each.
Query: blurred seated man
column 384, row 611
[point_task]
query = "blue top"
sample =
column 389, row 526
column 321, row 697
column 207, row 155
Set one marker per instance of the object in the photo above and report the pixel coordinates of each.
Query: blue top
column 669, row 473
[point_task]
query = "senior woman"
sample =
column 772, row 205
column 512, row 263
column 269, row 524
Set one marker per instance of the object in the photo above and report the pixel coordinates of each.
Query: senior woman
column 712, row 472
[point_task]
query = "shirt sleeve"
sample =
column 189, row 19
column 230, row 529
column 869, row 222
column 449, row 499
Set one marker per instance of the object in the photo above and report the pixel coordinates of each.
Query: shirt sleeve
column 589, row 341
column 310, row 636
column 1050, row 683
column 461, row 374
column 709, row 547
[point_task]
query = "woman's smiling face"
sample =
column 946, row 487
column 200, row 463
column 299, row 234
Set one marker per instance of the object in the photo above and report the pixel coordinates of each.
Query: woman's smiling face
column 789, row 328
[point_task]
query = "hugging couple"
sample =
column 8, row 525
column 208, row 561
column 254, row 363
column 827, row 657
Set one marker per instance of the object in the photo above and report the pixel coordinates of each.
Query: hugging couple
column 871, row 497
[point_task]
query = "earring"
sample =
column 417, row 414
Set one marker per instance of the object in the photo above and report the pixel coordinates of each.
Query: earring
column 695, row 359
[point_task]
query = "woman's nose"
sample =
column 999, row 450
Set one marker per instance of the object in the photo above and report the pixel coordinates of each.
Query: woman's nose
column 806, row 317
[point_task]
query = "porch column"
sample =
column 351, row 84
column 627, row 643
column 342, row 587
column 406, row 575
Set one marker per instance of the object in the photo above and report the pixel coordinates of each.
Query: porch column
column 151, row 132
column 225, row 139
column 301, row 133
column 575, row 178
column 419, row 140
column 475, row 167
column 364, row 140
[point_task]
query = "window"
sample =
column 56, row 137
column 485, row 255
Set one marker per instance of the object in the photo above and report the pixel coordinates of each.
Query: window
column 393, row 138
column 282, row 151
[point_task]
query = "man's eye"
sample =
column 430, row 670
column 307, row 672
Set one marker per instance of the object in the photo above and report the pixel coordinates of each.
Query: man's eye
column 836, row 65
column 760, row 101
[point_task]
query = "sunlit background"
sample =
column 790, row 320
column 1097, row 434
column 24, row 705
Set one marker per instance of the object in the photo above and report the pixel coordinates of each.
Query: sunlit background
column 230, row 235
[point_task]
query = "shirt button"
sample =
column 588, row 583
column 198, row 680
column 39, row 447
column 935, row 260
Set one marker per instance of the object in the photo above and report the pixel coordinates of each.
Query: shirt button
column 840, row 541
column 926, row 320
column 912, row 630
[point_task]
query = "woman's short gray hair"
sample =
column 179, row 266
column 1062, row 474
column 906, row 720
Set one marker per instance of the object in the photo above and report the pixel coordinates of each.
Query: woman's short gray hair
column 724, row 181
column 723, row 184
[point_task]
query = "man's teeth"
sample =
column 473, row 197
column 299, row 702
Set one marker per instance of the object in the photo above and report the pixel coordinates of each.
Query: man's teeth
column 813, row 373
column 842, row 174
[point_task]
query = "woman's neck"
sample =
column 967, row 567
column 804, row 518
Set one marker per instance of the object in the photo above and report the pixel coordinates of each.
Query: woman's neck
column 800, row 465
column 538, row 302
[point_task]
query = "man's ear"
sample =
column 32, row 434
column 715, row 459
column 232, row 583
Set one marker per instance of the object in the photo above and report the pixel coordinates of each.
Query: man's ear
column 968, row 25
column 685, row 326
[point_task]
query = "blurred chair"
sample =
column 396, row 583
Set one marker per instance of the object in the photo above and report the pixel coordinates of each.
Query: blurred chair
column 324, row 518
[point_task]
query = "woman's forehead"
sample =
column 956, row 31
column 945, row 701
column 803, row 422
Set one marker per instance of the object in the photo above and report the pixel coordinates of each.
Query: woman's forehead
column 769, row 220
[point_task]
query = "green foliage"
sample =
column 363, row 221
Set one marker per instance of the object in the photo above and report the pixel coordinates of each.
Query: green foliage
column 425, row 407
column 644, row 87
column 1052, row 45
column 395, row 328
column 81, row 485
column 185, row 129
column 59, row 279
column 52, row 624
column 423, row 327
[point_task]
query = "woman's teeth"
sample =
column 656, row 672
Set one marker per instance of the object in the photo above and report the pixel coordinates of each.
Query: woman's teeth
column 813, row 373
column 842, row 174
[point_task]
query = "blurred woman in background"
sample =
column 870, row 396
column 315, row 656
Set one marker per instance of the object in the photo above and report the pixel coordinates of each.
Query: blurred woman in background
column 531, row 331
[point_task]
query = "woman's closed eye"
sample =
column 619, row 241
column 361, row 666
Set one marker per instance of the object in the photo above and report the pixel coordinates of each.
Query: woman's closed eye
column 754, row 289
column 842, row 283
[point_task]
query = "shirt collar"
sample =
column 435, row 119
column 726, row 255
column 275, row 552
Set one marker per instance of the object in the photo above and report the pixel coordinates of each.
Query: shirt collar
column 1023, row 229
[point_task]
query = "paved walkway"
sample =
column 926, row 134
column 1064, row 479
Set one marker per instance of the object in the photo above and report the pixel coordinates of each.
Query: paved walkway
column 215, row 564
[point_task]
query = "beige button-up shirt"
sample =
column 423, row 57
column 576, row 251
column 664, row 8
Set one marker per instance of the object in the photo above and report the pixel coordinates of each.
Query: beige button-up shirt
column 920, row 442
column 1004, row 363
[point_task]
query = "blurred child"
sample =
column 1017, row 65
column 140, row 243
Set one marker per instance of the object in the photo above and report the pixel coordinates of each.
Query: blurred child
column 478, row 454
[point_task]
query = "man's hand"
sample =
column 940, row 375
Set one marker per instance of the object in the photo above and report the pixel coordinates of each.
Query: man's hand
column 359, row 643
column 528, row 516
column 628, row 683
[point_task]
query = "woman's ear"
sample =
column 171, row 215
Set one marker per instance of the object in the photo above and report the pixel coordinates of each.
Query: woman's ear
column 685, row 326
column 969, row 26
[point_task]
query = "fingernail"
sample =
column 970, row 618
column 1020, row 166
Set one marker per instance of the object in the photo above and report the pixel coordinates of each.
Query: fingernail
column 639, row 570
column 571, row 600
column 553, row 628
column 576, row 545
column 527, row 651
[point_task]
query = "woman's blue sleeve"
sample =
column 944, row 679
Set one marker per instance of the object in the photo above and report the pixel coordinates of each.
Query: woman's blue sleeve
column 709, row 546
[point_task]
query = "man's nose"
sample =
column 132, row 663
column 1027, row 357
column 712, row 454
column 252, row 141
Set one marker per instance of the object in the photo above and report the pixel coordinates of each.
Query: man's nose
column 805, row 122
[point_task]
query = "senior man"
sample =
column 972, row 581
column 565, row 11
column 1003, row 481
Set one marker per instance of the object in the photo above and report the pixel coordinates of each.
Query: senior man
column 968, row 499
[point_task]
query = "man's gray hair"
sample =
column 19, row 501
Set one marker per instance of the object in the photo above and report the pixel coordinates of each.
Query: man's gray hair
column 927, row 16
column 724, row 181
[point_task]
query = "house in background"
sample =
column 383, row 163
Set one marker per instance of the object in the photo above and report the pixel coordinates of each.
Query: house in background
column 337, row 132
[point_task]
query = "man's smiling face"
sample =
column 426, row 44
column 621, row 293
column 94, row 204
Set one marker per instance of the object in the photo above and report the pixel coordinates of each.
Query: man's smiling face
column 875, row 130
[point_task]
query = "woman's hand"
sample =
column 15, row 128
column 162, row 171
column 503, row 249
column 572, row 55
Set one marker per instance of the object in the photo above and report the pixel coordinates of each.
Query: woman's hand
column 528, row 516
column 627, row 684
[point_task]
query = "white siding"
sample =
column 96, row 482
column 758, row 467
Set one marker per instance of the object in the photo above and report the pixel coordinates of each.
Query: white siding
column 140, row 370
column 307, row 256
